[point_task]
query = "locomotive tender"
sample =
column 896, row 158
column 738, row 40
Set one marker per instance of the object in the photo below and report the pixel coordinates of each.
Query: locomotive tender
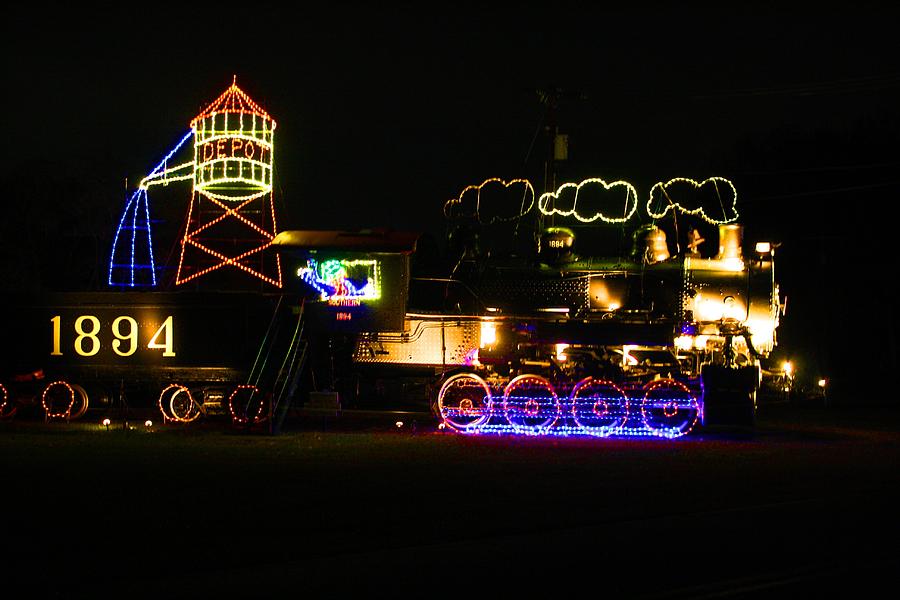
column 107, row 349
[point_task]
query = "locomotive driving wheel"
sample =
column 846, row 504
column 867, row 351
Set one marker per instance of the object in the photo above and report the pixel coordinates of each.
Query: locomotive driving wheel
column 599, row 407
column 669, row 408
column 530, row 404
column 464, row 402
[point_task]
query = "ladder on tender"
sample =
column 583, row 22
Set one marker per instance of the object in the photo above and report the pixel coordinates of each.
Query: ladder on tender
column 280, row 360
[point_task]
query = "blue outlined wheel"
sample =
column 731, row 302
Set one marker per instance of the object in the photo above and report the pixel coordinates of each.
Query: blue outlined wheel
column 530, row 404
column 599, row 407
column 464, row 402
column 669, row 408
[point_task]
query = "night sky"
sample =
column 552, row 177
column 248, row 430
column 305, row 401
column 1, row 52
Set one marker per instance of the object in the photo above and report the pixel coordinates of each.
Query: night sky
column 385, row 113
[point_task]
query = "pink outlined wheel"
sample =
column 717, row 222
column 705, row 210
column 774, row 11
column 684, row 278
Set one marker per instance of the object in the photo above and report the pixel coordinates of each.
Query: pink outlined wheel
column 465, row 402
column 177, row 404
column 530, row 404
column 669, row 408
column 599, row 407
column 248, row 406
column 57, row 400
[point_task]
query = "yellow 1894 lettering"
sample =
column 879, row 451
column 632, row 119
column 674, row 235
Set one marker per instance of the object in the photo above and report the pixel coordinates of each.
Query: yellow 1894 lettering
column 56, row 351
column 87, row 335
column 125, row 333
column 131, row 336
column 166, row 346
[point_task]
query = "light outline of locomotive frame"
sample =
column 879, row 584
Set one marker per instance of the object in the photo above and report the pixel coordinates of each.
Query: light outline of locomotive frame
column 487, row 421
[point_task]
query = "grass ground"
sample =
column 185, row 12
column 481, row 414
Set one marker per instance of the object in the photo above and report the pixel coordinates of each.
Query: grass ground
column 806, row 500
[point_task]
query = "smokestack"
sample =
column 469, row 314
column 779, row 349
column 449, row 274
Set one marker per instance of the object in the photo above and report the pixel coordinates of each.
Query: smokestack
column 731, row 238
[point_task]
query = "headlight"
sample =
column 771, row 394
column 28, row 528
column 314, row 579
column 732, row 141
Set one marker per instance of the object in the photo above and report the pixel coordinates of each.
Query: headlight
column 488, row 333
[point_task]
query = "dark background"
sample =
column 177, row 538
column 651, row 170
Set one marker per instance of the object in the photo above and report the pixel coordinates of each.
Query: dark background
column 384, row 113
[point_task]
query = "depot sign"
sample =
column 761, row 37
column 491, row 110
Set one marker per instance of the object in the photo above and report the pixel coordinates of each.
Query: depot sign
column 234, row 147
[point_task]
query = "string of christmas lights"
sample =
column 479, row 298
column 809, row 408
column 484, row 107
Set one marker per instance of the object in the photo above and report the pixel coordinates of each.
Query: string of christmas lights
column 669, row 407
column 332, row 278
column 660, row 195
column 241, row 416
column 530, row 404
column 547, row 201
column 234, row 213
column 233, row 100
column 133, row 206
column 168, row 176
column 527, row 194
column 227, row 261
column 4, row 403
column 47, row 401
column 464, row 402
column 177, row 407
column 598, row 408
column 232, row 163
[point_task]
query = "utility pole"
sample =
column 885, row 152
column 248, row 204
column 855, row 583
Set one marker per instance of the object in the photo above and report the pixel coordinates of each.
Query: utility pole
column 557, row 144
column 549, row 97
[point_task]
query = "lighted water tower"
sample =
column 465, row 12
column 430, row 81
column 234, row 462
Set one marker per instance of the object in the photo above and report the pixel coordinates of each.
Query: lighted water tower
column 231, row 221
column 231, row 217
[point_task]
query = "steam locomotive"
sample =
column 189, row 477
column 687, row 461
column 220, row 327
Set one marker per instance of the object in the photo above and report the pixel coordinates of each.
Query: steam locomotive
column 551, row 341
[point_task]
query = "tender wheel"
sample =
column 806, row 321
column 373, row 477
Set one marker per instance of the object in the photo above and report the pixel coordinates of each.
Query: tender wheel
column 464, row 402
column 530, row 404
column 58, row 400
column 669, row 408
column 599, row 407
column 7, row 407
column 248, row 406
column 177, row 404
column 81, row 402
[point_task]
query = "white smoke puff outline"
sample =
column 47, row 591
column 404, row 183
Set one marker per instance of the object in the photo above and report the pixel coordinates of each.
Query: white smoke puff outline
column 630, row 197
column 670, row 205
column 529, row 189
